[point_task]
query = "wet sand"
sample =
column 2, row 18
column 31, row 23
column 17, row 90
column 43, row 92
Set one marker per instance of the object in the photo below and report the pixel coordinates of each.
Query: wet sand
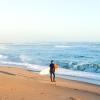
column 20, row 84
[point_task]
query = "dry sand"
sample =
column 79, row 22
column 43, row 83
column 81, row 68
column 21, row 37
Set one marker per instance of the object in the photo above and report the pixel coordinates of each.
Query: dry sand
column 20, row 84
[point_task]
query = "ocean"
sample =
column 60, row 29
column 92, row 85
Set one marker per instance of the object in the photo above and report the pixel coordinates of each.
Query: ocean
column 77, row 61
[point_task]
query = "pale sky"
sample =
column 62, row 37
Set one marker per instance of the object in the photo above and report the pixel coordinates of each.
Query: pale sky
column 49, row 20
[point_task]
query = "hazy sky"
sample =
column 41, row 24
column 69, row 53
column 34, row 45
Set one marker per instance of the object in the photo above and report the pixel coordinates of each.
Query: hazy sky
column 49, row 20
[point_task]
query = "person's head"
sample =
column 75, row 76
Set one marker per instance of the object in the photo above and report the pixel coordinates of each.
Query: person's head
column 52, row 61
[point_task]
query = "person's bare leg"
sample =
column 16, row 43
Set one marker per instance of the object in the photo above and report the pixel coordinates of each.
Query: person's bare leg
column 54, row 77
column 51, row 77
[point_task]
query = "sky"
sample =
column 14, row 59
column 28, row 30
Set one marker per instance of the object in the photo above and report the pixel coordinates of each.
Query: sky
column 49, row 20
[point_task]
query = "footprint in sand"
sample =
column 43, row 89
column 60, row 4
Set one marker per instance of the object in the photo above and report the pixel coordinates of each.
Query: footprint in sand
column 71, row 98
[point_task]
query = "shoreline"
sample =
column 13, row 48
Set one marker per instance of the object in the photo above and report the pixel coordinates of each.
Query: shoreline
column 19, row 82
column 65, row 77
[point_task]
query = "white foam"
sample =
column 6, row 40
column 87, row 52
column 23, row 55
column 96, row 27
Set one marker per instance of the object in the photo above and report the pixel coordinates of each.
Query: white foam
column 65, row 72
column 35, row 67
column 2, row 57
column 25, row 65
column 24, row 58
column 45, row 71
column 62, row 46
column 11, row 63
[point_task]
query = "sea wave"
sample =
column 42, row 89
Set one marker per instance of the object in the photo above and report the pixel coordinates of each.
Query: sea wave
column 25, row 58
column 62, row 46
column 3, row 57
column 28, row 66
column 85, row 67
column 88, row 75
column 3, row 47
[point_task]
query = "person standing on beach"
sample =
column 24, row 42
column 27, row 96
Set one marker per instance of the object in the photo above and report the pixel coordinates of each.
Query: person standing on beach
column 52, row 71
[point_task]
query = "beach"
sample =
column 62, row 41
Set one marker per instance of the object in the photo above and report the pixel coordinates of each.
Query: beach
column 21, row 84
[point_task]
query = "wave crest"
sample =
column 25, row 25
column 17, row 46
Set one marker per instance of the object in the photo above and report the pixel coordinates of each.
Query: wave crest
column 86, row 67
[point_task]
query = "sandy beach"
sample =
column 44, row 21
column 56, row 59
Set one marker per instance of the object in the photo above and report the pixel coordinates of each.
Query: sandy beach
column 21, row 84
